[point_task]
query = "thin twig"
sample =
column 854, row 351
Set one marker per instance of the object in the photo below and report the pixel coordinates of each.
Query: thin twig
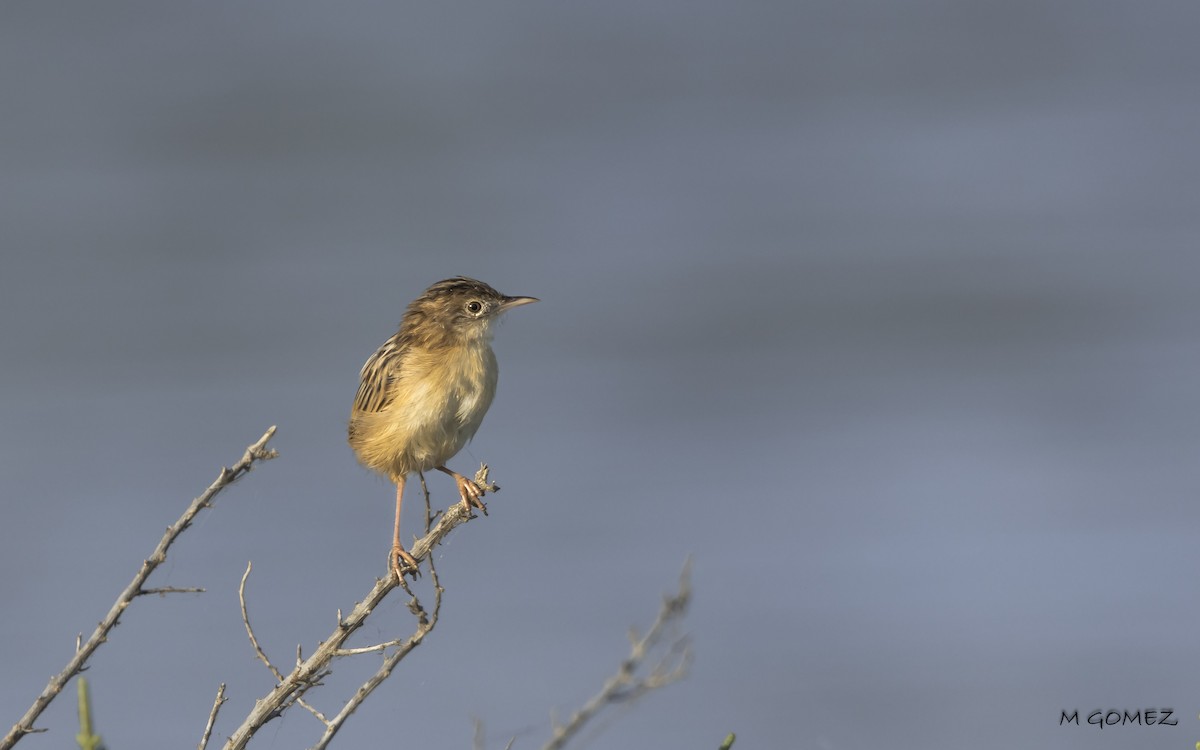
column 309, row 672
column 246, row 621
column 428, row 507
column 256, row 452
column 258, row 649
column 164, row 590
column 370, row 649
column 212, row 717
column 625, row 685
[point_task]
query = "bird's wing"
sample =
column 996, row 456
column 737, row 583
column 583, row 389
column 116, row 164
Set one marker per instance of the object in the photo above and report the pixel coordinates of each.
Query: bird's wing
column 381, row 369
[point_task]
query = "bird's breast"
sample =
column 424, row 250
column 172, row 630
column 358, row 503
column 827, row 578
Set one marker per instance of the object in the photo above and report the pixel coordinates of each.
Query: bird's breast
column 441, row 397
column 453, row 388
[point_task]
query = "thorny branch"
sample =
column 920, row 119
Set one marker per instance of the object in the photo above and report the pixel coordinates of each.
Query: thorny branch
column 308, row 673
column 425, row 623
column 256, row 452
column 626, row 685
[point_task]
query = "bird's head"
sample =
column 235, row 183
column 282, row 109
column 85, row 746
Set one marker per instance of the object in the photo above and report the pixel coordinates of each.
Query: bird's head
column 459, row 308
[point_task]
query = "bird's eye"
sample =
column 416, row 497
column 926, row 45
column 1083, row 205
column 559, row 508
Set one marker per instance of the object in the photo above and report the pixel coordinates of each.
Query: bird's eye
column 474, row 306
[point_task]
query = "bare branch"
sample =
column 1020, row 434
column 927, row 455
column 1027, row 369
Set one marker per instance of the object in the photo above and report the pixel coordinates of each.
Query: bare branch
column 425, row 624
column 625, row 685
column 212, row 717
column 256, row 452
column 308, row 673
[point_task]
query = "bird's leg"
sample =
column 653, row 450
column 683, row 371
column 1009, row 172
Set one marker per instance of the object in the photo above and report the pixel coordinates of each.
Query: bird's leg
column 467, row 490
column 398, row 553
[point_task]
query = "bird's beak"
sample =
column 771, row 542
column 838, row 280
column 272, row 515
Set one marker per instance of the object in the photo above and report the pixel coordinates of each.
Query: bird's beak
column 511, row 302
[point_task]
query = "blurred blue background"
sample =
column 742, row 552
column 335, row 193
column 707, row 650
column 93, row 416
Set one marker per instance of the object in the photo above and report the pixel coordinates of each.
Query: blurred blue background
column 886, row 313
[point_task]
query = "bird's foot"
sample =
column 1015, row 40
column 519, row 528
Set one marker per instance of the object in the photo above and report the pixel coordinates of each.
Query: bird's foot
column 400, row 555
column 470, row 493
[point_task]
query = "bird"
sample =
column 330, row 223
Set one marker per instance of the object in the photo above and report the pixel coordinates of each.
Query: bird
column 423, row 394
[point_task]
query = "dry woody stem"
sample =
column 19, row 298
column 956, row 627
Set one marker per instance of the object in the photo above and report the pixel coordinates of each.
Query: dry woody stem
column 627, row 685
column 308, row 673
column 255, row 453
column 655, row 660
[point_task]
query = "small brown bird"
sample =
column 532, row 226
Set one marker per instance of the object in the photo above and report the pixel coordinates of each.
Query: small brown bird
column 423, row 394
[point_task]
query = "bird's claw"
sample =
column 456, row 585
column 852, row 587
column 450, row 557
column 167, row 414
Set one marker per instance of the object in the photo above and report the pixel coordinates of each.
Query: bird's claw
column 470, row 494
column 400, row 555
